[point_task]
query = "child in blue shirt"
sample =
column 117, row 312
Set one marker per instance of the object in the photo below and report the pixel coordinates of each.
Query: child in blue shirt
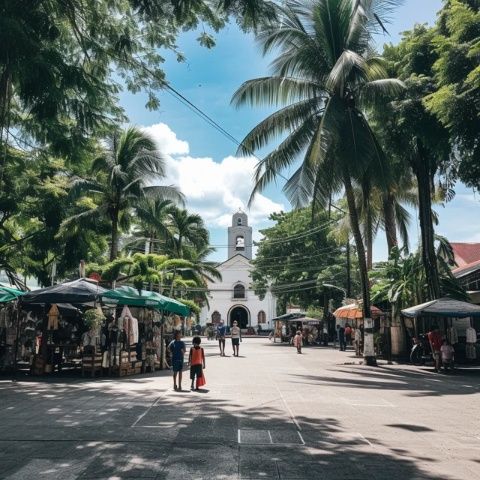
column 177, row 348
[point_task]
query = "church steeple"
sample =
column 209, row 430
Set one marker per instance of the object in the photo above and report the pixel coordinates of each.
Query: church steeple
column 240, row 236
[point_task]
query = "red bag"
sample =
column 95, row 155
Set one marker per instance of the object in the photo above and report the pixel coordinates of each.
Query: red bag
column 201, row 380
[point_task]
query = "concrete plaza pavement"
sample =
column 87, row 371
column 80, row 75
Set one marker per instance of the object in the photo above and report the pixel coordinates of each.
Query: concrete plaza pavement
column 268, row 414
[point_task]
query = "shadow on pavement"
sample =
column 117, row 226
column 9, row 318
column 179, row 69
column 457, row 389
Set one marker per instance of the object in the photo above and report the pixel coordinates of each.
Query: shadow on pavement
column 417, row 382
column 86, row 430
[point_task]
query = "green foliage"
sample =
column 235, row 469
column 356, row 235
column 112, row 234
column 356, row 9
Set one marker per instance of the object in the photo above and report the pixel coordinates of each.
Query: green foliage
column 63, row 64
column 327, row 79
column 93, row 318
column 293, row 263
column 401, row 280
column 191, row 305
column 62, row 67
column 120, row 180
column 456, row 99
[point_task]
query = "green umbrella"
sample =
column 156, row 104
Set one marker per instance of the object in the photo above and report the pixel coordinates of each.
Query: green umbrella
column 7, row 294
column 174, row 306
column 132, row 297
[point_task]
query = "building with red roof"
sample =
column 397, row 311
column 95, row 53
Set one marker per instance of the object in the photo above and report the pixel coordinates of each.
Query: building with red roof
column 467, row 257
column 466, row 253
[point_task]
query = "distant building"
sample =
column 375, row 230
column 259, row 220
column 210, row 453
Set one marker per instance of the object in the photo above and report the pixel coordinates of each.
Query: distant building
column 467, row 272
column 232, row 298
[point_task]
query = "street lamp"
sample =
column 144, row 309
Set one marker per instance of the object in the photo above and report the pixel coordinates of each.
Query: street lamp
column 329, row 285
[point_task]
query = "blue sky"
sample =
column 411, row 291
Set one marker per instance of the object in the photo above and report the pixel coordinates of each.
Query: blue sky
column 203, row 162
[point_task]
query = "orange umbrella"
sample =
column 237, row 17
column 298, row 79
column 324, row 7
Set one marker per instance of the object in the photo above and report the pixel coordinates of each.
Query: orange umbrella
column 354, row 311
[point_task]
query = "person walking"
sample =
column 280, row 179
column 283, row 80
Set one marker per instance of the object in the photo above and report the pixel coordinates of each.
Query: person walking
column 196, row 359
column 436, row 340
column 177, row 349
column 221, row 332
column 298, row 341
column 341, row 339
column 448, row 355
column 336, row 337
column 348, row 334
column 236, row 334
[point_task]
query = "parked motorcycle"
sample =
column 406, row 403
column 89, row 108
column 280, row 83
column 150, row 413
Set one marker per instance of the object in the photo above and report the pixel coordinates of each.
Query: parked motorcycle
column 421, row 352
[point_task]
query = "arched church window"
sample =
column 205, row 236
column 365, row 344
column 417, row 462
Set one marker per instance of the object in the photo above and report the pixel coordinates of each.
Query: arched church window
column 216, row 317
column 262, row 317
column 239, row 221
column 238, row 291
column 240, row 243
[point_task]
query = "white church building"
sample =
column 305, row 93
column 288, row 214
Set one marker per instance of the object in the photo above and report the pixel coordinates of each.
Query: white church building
column 232, row 298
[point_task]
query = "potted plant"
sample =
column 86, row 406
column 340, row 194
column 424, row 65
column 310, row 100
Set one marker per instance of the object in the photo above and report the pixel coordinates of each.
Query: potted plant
column 93, row 319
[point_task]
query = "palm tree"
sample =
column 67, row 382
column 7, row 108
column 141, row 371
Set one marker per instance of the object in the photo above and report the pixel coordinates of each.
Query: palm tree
column 122, row 177
column 187, row 228
column 384, row 209
column 153, row 216
column 326, row 77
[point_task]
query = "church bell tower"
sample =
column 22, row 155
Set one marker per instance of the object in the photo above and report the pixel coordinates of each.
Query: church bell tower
column 240, row 236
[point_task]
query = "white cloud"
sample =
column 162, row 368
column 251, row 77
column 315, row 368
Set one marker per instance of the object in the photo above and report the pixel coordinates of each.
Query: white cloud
column 468, row 198
column 218, row 189
column 213, row 189
column 167, row 140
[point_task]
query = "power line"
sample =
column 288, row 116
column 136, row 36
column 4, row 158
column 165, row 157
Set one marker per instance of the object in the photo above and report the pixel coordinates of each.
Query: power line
column 295, row 236
column 199, row 112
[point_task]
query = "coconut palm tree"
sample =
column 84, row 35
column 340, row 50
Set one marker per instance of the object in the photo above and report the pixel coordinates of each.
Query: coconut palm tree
column 123, row 175
column 153, row 215
column 326, row 77
column 187, row 229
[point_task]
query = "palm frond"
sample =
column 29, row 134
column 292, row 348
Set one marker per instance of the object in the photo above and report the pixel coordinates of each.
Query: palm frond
column 284, row 120
column 283, row 156
column 376, row 93
column 403, row 219
column 169, row 193
column 275, row 91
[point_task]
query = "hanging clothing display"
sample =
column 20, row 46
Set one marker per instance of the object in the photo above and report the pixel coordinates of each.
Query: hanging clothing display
column 471, row 335
column 470, row 349
column 53, row 314
column 130, row 325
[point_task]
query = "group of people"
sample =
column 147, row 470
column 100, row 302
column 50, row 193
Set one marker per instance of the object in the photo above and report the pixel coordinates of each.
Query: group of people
column 442, row 350
column 235, row 334
column 346, row 335
column 196, row 357
column 196, row 360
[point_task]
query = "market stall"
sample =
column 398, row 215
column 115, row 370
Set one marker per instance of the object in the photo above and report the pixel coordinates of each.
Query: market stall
column 280, row 326
column 458, row 321
column 55, row 318
column 9, row 320
column 287, row 325
column 137, row 331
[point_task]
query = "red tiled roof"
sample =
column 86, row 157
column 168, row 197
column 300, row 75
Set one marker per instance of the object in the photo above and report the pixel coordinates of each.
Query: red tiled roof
column 466, row 269
column 466, row 253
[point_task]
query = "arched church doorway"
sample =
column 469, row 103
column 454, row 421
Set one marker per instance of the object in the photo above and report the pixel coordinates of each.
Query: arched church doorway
column 239, row 314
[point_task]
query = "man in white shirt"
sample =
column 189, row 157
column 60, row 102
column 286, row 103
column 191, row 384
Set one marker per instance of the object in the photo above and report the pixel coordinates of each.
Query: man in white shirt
column 236, row 334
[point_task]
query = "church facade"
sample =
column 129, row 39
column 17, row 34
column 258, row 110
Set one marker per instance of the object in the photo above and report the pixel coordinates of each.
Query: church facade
column 232, row 298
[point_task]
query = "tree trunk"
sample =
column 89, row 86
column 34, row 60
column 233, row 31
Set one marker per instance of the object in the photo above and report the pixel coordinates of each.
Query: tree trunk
column 390, row 221
column 422, row 170
column 369, row 237
column 114, row 237
column 349, row 272
column 368, row 351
